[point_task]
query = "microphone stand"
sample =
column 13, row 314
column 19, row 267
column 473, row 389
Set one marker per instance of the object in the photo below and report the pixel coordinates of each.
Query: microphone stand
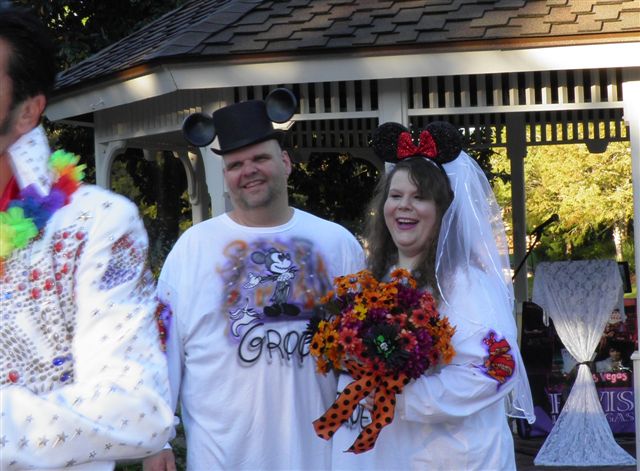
column 537, row 233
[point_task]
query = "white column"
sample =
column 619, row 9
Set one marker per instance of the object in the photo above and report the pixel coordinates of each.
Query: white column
column 212, row 162
column 393, row 101
column 104, row 155
column 213, row 166
column 631, row 93
column 196, row 185
column 516, row 151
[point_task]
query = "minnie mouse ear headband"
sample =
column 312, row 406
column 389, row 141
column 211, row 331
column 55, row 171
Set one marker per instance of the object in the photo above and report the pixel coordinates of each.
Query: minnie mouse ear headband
column 241, row 124
column 439, row 141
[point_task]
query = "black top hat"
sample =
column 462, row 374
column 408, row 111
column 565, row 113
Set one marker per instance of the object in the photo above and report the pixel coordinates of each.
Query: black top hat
column 241, row 124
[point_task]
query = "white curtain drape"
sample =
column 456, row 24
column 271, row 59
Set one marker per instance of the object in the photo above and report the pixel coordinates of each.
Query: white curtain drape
column 579, row 297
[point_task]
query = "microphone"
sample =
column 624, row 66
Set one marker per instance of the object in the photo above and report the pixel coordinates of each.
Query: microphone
column 538, row 230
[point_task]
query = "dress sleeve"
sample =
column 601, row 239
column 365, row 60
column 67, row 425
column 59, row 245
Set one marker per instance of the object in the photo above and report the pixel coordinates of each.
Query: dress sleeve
column 168, row 310
column 483, row 369
column 474, row 380
column 117, row 406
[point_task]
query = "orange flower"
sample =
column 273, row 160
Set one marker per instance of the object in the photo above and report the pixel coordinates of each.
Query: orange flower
column 428, row 304
column 447, row 354
column 389, row 290
column 367, row 281
column 317, row 344
column 408, row 339
column 348, row 316
column 420, row 318
column 334, row 355
column 401, row 319
column 346, row 284
column 322, row 365
column 330, row 336
column 349, row 340
column 372, row 299
column 443, row 333
column 327, row 297
column 402, row 275
column 358, row 302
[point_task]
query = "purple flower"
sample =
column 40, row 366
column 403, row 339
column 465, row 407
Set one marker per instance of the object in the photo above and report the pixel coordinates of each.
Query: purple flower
column 408, row 297
column 377, row 316
column 352, row 324
column 419, row 360
column 424, row 339
column 416, row 366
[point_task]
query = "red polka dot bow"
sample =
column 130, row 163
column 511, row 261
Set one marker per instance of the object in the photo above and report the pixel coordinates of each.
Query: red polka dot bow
column 426, row 148
column 384, row 388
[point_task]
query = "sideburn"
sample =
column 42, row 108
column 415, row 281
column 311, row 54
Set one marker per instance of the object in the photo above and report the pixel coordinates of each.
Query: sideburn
column 7, row 124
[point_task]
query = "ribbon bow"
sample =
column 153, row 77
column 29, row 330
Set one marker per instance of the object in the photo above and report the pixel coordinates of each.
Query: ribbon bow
column 385, row 387
column 426, row 148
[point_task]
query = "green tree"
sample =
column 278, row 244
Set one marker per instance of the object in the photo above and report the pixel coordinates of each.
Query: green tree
column 335, row 187
column 591, row 193
column 158, row 186
column 81, row 28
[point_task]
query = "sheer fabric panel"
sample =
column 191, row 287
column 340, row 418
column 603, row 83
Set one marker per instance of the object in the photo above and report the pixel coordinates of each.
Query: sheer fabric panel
column 579, row 296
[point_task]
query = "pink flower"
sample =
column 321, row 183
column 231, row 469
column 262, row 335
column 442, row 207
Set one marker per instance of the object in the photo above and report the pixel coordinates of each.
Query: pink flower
column 350, row 341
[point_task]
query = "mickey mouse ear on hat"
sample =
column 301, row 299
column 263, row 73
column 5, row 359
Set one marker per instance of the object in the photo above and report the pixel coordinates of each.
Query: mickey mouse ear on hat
column 198, row 129
column 384, row 141
column 281, row 104
column 448, row 140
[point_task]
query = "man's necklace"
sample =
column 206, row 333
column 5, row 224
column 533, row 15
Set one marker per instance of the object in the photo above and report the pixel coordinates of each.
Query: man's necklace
column 29, row 213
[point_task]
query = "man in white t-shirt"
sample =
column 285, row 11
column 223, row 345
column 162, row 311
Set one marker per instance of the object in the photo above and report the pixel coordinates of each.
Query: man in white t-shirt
column 237, row 292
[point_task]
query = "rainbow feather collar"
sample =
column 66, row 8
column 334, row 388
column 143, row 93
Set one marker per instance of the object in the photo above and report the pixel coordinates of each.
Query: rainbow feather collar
column 28, row 214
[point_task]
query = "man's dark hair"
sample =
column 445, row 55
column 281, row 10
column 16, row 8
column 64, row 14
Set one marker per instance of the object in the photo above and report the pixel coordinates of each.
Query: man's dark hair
column 32, row 56
column 613, row 345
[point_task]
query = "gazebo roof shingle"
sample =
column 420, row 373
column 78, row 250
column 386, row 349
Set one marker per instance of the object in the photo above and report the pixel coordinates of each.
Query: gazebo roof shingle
column 224, row 29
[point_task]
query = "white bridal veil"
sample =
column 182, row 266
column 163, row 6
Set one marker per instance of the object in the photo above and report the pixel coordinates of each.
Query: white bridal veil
column 473, row 242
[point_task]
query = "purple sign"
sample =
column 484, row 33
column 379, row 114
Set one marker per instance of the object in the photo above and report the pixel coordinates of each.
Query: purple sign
column 617, row 404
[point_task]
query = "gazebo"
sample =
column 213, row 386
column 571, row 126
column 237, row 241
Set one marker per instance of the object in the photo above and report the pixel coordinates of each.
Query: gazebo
column 545, row 71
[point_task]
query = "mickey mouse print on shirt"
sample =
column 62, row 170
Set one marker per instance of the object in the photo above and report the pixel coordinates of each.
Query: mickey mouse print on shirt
column 268, row 284
column 280, row 271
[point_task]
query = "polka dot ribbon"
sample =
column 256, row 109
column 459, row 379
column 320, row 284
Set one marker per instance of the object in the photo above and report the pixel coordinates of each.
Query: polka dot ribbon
column 384, row 388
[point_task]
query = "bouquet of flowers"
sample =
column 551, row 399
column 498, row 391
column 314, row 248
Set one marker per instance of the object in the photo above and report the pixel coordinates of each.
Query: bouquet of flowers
column 384, row 334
